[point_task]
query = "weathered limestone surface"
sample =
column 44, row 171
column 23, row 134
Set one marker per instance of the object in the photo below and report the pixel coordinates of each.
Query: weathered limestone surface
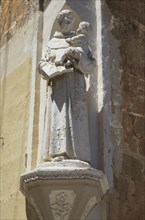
column 126, row 200
column 128, row 29
column 69, row 189
column 65, row 62
column 66, row 178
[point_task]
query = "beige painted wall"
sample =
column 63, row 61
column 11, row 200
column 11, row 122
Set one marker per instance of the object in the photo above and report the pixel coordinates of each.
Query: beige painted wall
column 18, row 76
column 14, row 128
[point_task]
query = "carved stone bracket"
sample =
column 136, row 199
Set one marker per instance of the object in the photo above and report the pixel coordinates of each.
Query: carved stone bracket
column 63, row 190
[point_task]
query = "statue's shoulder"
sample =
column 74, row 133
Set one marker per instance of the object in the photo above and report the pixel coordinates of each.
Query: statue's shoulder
column 57, row 41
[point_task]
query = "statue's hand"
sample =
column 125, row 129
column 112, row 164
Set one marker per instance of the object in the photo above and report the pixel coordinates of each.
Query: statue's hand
column 68, row 40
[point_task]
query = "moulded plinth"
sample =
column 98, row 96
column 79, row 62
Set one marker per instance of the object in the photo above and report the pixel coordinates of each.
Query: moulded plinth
column 63, row 190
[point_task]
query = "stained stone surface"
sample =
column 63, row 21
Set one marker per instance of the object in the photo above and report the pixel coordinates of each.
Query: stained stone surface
column 65, row 62
column 69, row 189
column 126, row 201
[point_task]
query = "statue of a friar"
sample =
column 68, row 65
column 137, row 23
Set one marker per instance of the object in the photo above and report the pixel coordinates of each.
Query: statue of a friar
column 66, row 61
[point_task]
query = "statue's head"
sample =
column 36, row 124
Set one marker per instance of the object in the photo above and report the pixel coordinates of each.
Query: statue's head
column 66, row 20
column 84, row 28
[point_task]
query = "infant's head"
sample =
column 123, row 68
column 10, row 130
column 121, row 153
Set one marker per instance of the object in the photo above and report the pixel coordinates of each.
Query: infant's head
column 84, row 28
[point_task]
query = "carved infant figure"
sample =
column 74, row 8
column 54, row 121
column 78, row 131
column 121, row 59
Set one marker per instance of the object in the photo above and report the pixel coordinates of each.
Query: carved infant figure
column 78, row 47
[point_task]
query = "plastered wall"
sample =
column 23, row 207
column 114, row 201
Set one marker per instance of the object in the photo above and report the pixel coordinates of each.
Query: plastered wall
column 18, row 52
column 14, row 129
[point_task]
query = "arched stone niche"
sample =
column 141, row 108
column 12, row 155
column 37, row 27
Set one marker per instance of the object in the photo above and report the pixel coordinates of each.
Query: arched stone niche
column 34, row 190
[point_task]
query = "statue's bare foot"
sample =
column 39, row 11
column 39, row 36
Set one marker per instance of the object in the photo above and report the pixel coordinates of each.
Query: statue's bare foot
column 59, row 158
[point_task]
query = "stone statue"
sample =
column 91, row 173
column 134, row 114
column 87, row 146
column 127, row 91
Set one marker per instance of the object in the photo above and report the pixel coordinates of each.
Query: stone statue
column 66, row 60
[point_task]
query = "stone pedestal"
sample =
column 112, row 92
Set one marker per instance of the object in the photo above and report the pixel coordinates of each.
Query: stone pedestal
column 63, row 190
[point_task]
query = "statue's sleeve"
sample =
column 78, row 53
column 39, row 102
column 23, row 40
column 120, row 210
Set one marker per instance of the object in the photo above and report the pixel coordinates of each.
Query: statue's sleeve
column 86, row 63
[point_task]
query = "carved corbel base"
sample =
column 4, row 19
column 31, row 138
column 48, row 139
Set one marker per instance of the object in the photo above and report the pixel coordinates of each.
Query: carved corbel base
column 63, row 190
